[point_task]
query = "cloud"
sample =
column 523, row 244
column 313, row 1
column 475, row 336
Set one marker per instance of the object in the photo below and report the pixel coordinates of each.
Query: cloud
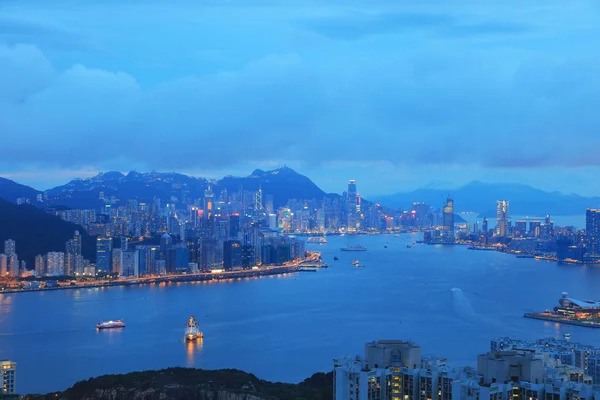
column 360, row 25
column 418, row 89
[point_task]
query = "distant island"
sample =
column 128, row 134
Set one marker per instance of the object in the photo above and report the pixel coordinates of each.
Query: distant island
column 194, row 384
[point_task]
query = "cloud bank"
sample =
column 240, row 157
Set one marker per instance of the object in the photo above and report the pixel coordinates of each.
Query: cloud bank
column 203, row 85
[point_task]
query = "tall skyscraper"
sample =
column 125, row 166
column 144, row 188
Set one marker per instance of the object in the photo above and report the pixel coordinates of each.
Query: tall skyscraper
column 147, row 259
column 592, row 232
column 124, row 244
column 40, row 265
column 55, row 263
column 234, row 226
column 130, row 263
column 10, row 248
column 13, row 265
column 77, row 243
column 103, row 253
column 232, row 254
column 448, row 218
column 117, row 261
column 502, row 221
column 484, row 226
column 351, row 202
column 209, row 199
column 166, row 243
column 72, row 251
column 3, row 265
column 521, row 227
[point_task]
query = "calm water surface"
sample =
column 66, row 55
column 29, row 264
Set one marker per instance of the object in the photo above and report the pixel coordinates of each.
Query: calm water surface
column 288, row 327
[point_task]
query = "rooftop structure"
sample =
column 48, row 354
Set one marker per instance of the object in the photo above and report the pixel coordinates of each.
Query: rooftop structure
column 514, row 369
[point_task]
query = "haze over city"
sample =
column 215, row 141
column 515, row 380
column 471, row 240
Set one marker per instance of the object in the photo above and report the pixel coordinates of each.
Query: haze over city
column 398, row 95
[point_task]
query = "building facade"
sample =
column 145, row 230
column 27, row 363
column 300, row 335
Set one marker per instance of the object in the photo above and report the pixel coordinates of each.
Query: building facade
column 513, row 370
column 8, row 377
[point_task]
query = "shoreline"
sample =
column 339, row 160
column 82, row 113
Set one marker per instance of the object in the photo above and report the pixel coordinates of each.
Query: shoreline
column 561, row 320
column 200, row 277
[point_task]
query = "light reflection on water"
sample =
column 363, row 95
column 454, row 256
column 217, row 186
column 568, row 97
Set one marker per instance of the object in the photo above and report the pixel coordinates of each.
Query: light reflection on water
column 193, row 347
column 286, row 327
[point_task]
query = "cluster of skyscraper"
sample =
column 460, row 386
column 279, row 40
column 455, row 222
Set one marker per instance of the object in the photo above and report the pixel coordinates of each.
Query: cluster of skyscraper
column 58, row 263
column 9, row 261
column 546, row 369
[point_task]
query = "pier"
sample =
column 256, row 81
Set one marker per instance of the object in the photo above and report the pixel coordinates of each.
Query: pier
column 548, row 316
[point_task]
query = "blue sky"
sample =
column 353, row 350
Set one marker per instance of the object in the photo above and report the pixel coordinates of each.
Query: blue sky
column 395, row 94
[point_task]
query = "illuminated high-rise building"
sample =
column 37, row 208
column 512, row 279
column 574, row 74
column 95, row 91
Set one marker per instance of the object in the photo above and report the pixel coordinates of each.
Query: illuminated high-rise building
column 8, row 377
column 166, row 243
column 130, row 263
column 10, row 248
column 502, row 221
column 448, row 217
column 209, row 199
column 234, row 226
column 117, row 261
column 521, row 228
column 3, row 265
column 592, row 232
column 40, row 266
column 103, row 253
column 232, row 254
column 351, row 204
column 55, row 263
column 13, row 265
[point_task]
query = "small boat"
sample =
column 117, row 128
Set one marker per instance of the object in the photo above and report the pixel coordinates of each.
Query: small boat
column 385, row 247
column 336, row 258
column 355, row 247
column 360, row 266
column 408, row 246
column 111, row 324
column 317, row 240
column 355, row 262
column 192, row 330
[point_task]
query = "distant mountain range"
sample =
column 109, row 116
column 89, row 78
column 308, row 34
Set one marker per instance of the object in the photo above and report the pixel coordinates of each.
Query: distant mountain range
column 37, row 232
column 481, row 197
column 284, row 184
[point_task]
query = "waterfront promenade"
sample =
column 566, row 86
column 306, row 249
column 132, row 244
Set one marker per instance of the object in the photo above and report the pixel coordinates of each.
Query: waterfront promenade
column 286, row 268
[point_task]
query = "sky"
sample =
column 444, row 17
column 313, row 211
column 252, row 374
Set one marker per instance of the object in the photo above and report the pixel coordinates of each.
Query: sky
column 397, row 94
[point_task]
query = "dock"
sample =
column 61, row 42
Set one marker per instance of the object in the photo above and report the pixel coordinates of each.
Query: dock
column 545, row 316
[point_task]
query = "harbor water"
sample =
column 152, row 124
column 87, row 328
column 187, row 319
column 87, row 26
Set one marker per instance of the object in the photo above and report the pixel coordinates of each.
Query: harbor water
column 450, row 300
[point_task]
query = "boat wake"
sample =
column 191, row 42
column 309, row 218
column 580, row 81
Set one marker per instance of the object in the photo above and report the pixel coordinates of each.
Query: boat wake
column 462, row 305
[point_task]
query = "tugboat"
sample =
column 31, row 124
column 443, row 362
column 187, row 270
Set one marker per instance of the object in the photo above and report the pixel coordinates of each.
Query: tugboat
column 111, row 324
column 192, row 330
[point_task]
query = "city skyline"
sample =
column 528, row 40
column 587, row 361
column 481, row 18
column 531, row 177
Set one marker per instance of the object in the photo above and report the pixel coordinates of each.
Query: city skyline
column 437, row 96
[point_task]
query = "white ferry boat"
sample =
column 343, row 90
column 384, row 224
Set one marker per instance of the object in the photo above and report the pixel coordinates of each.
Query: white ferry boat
column 192, row 330
column 111, row 324
column 355, row 247
column 317, row 240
